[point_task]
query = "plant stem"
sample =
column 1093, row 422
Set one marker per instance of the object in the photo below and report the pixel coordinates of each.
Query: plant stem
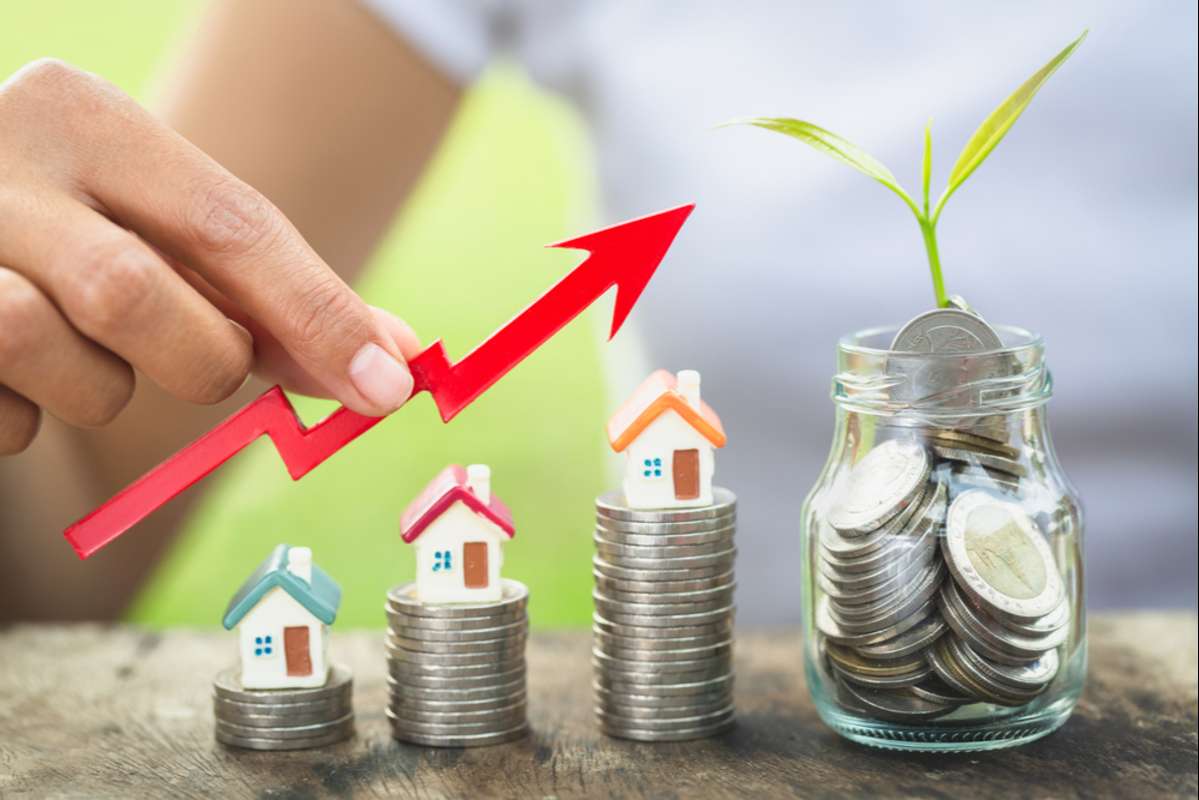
column 928, row 229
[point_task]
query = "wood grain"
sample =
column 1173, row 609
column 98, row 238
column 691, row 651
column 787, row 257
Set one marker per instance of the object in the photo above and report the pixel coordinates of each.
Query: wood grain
column 111, row 711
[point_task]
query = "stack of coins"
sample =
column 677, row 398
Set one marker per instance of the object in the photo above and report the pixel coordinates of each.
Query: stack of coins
column 456, row 673
column 936, row 594
column 663, row 624
column 283, row 719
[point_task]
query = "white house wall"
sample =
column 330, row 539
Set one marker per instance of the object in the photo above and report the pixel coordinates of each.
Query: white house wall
column 274, row 612
column 457, row 525
column 667, row 433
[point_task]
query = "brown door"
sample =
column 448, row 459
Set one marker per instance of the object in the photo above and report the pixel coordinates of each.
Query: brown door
column 295, row 648
column 686, row 474
column 474, row 560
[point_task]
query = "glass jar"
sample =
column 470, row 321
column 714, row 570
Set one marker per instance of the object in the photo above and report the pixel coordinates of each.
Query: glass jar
column 942, row 549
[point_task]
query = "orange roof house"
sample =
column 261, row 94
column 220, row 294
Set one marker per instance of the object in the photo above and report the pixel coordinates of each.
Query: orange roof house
column 669, row 436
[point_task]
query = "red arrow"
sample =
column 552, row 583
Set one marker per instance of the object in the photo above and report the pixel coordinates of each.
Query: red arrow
column 624, row 256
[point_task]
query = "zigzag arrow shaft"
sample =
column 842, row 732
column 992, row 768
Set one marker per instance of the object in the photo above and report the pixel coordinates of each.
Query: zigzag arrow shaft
column 624, row 256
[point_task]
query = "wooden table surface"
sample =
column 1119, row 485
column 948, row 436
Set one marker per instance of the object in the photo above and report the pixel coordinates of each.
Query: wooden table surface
column 95, row 711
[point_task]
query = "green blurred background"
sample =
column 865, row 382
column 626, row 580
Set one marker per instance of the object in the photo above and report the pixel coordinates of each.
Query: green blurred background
column 464, row 256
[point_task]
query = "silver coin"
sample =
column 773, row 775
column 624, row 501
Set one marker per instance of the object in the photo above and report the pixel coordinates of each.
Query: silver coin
column 721, row 626
column 827, row 625
column 399, row 723
column 882, row 580
column 968, row 667
column 285, row 731
column 272, row 718
column 1031, row 677
column 946, row 331
column 712, row 662
column 700, row 687
column 463, row 659
column 616, row 553
column 227, row 685
column 614, row 721
column 1045, row 626
column 721, row 561
column 656, row 532
column 610, row 607
column 989, row 636
column 612, row 505
column 922, row 594
column 966, row 477
column 507, row 716
column 723, row 536
column 647, row 698
column 927, row 580
column 879, row 486
column 267, row 743
column 462, row 706
column 476, row 634
column 454, row 695
column 662, row 573
column 402, row 669
column 952, row 437
column 677, row 712
column 615, row 585
column 460, row 740
column 850, row 547
column 999, row 557
column 463, row 681
column 651, row 677
column 332, row 707
column 723, row 591
column 679, row 622
column 476, row 646
column 516, row 595
column 916, row 544
column 900, row 681
column 948, row 673
column 911, row 641
column 936, row 690
column 996, row 463
column 898, row 706
column 453, row 623
column 660, row 644
column 854, row 662
column 647, row 735
column 641, row 655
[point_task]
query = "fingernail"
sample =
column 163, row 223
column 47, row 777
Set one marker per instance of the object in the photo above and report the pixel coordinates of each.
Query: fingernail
column 381, row 379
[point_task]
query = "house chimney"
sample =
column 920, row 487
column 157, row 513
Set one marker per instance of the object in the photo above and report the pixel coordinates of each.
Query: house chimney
column 688, row 387
column 299, row 563
column 478, row 480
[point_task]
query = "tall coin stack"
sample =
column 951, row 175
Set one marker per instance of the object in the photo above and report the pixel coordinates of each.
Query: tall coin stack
column 283, row 719
column 937, row 593
column 456, row 673
column 663, row 623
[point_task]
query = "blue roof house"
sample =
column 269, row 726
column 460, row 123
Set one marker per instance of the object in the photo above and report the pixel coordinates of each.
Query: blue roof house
column 282, row 614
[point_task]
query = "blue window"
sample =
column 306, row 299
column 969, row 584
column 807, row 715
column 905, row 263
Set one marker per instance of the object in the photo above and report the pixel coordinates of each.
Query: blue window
column 443, row 561
column 652, row 468
column 263, row 646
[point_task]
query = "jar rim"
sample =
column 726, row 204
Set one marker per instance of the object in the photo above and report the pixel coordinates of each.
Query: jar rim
column 1016, row 341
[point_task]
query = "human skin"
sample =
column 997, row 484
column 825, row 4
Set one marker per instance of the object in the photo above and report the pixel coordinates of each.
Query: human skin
column 134, row 244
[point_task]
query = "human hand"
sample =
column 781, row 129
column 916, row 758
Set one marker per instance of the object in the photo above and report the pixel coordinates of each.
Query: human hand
column 123, row 246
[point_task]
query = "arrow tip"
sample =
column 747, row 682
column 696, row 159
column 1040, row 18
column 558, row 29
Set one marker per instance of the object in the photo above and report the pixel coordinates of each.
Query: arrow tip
column 632, row 251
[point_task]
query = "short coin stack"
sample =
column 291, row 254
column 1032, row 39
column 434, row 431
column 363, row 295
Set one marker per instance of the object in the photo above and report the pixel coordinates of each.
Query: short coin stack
column 663, row 624
column 456, row 673
column 283, row 719
column 926, row 584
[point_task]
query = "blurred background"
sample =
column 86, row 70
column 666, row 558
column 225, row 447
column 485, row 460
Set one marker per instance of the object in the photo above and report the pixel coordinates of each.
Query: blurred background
column 1082, row 226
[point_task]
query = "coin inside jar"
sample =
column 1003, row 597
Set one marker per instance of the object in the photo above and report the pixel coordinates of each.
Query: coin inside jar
column 880, row 486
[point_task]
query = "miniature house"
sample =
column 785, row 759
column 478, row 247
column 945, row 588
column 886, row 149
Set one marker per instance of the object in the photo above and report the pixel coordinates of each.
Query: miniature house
column 669, row 437
column 458, row 527
column 282, row 613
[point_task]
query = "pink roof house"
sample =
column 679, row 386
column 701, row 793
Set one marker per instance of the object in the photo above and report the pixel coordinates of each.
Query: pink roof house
column 458, row 527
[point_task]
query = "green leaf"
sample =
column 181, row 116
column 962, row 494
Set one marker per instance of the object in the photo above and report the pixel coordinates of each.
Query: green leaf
column 833, row 145
column 926, row 169
column 996, row 126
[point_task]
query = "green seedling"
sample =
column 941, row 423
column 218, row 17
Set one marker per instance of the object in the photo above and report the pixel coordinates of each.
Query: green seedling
column 980, row 145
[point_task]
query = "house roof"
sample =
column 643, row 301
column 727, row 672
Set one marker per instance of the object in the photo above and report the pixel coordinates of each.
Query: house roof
column 321, row 598
column 450, row 486
column 656, row 395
